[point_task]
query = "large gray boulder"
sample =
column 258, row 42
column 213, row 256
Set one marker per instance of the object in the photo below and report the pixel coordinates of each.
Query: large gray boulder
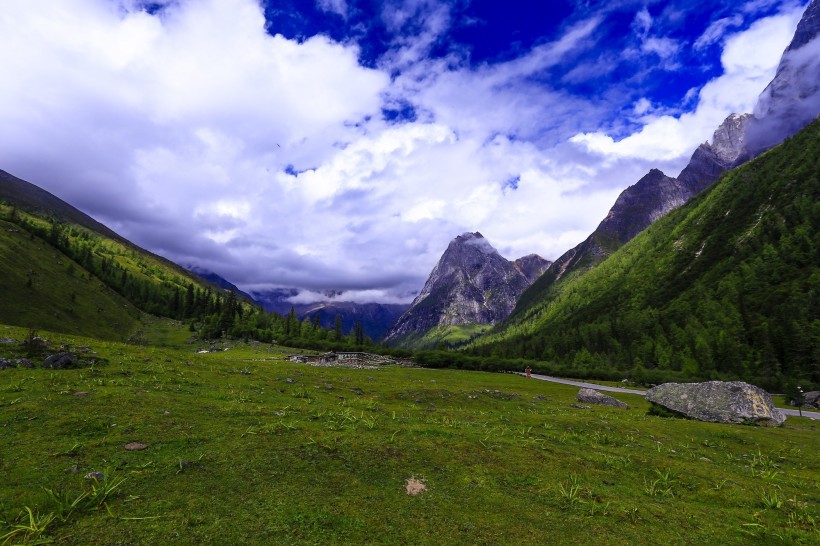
column 591, row 396
column 718, row 402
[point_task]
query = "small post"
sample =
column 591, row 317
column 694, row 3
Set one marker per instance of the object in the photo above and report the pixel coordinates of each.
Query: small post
column 799, row 400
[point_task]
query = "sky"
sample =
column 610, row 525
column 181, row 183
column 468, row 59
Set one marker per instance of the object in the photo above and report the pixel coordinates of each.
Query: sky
column 341, row 144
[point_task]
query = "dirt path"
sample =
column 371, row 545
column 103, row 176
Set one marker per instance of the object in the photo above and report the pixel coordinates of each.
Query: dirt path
column 810, row 414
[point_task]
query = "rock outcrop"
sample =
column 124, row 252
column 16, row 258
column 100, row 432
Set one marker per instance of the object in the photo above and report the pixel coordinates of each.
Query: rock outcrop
column 718, row 402
column 61, row 361
column 591, row 396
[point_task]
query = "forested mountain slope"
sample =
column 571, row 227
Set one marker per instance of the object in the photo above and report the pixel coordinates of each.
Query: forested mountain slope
column 726, row 286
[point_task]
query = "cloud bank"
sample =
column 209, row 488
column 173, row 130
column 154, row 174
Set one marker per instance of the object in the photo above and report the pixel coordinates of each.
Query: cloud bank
column 197, row 131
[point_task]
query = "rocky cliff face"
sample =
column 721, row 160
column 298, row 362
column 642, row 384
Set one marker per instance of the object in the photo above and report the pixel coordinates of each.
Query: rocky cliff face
column 727, row 150
column 531, row 266
column 471, row 284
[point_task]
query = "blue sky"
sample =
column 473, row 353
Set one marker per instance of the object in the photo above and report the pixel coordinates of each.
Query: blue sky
column 340, row 144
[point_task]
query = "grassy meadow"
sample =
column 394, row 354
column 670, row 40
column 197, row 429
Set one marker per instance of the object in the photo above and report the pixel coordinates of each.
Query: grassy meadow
column 246, row 448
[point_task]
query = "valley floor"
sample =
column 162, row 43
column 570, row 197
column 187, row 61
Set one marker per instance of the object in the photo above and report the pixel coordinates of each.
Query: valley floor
column 242, row 447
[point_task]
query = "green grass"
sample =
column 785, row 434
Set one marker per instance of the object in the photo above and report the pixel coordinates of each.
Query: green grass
column 245, row 448
column 40, row 285
column 443, row 334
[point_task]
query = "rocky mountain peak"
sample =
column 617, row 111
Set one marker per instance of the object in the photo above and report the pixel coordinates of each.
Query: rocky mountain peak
column 729, row 139
column 471, row 284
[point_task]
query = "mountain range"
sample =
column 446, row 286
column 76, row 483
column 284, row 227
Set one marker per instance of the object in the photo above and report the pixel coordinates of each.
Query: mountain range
column 787, row 104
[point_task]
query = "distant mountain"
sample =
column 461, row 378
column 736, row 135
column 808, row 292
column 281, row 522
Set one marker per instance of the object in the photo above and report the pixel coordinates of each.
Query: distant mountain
column 790, row 101
column 276, row 300
column 376, row 318
column 221, row 282
column 471, row 287
column 723, row 287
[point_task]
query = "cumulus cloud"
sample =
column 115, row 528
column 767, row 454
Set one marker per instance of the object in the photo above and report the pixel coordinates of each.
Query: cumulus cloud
column 199, row 133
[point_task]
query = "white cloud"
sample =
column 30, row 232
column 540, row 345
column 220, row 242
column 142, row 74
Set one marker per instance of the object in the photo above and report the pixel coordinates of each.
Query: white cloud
column 339, row 7
column 716, row 30
column 199, row 135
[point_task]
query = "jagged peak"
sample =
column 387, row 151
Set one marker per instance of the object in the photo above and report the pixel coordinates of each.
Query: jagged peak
column 475, row 239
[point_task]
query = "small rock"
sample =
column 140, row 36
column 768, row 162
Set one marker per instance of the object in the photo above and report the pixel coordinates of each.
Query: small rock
column 25, row 363
column 4, row 363
column 580, row 406
column 539, row 397
column 60, row 361
column 99, row 476
column 135, row 446
column 811, row 399
column 591, row 396
column 81, row 394
column 357, row 390
column 245, row 372
column 290, row 380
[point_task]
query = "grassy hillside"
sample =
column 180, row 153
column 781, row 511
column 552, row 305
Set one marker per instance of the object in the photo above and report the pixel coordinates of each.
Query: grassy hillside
column 444, row 336
column 245, row 448
column 726, row 286
column 43, row 288
column 69, row 277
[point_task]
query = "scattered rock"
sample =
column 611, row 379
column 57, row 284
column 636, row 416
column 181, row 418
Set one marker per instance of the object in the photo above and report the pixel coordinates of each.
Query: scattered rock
column 4, row 363
column 580, row 406
column 357, row 390
column 811, row 399
column 290, row 380
column 99, row 476
column 718, row 402
column 539, row 397
column 414, row 486
column 61, row 361
column 81, row 394
column 7, row 340
column 591, row 396
column 245, row 372
column 135, row 446
column 25, row 363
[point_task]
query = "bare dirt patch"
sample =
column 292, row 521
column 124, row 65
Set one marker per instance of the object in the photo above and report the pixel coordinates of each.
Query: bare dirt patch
column 414, row 486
